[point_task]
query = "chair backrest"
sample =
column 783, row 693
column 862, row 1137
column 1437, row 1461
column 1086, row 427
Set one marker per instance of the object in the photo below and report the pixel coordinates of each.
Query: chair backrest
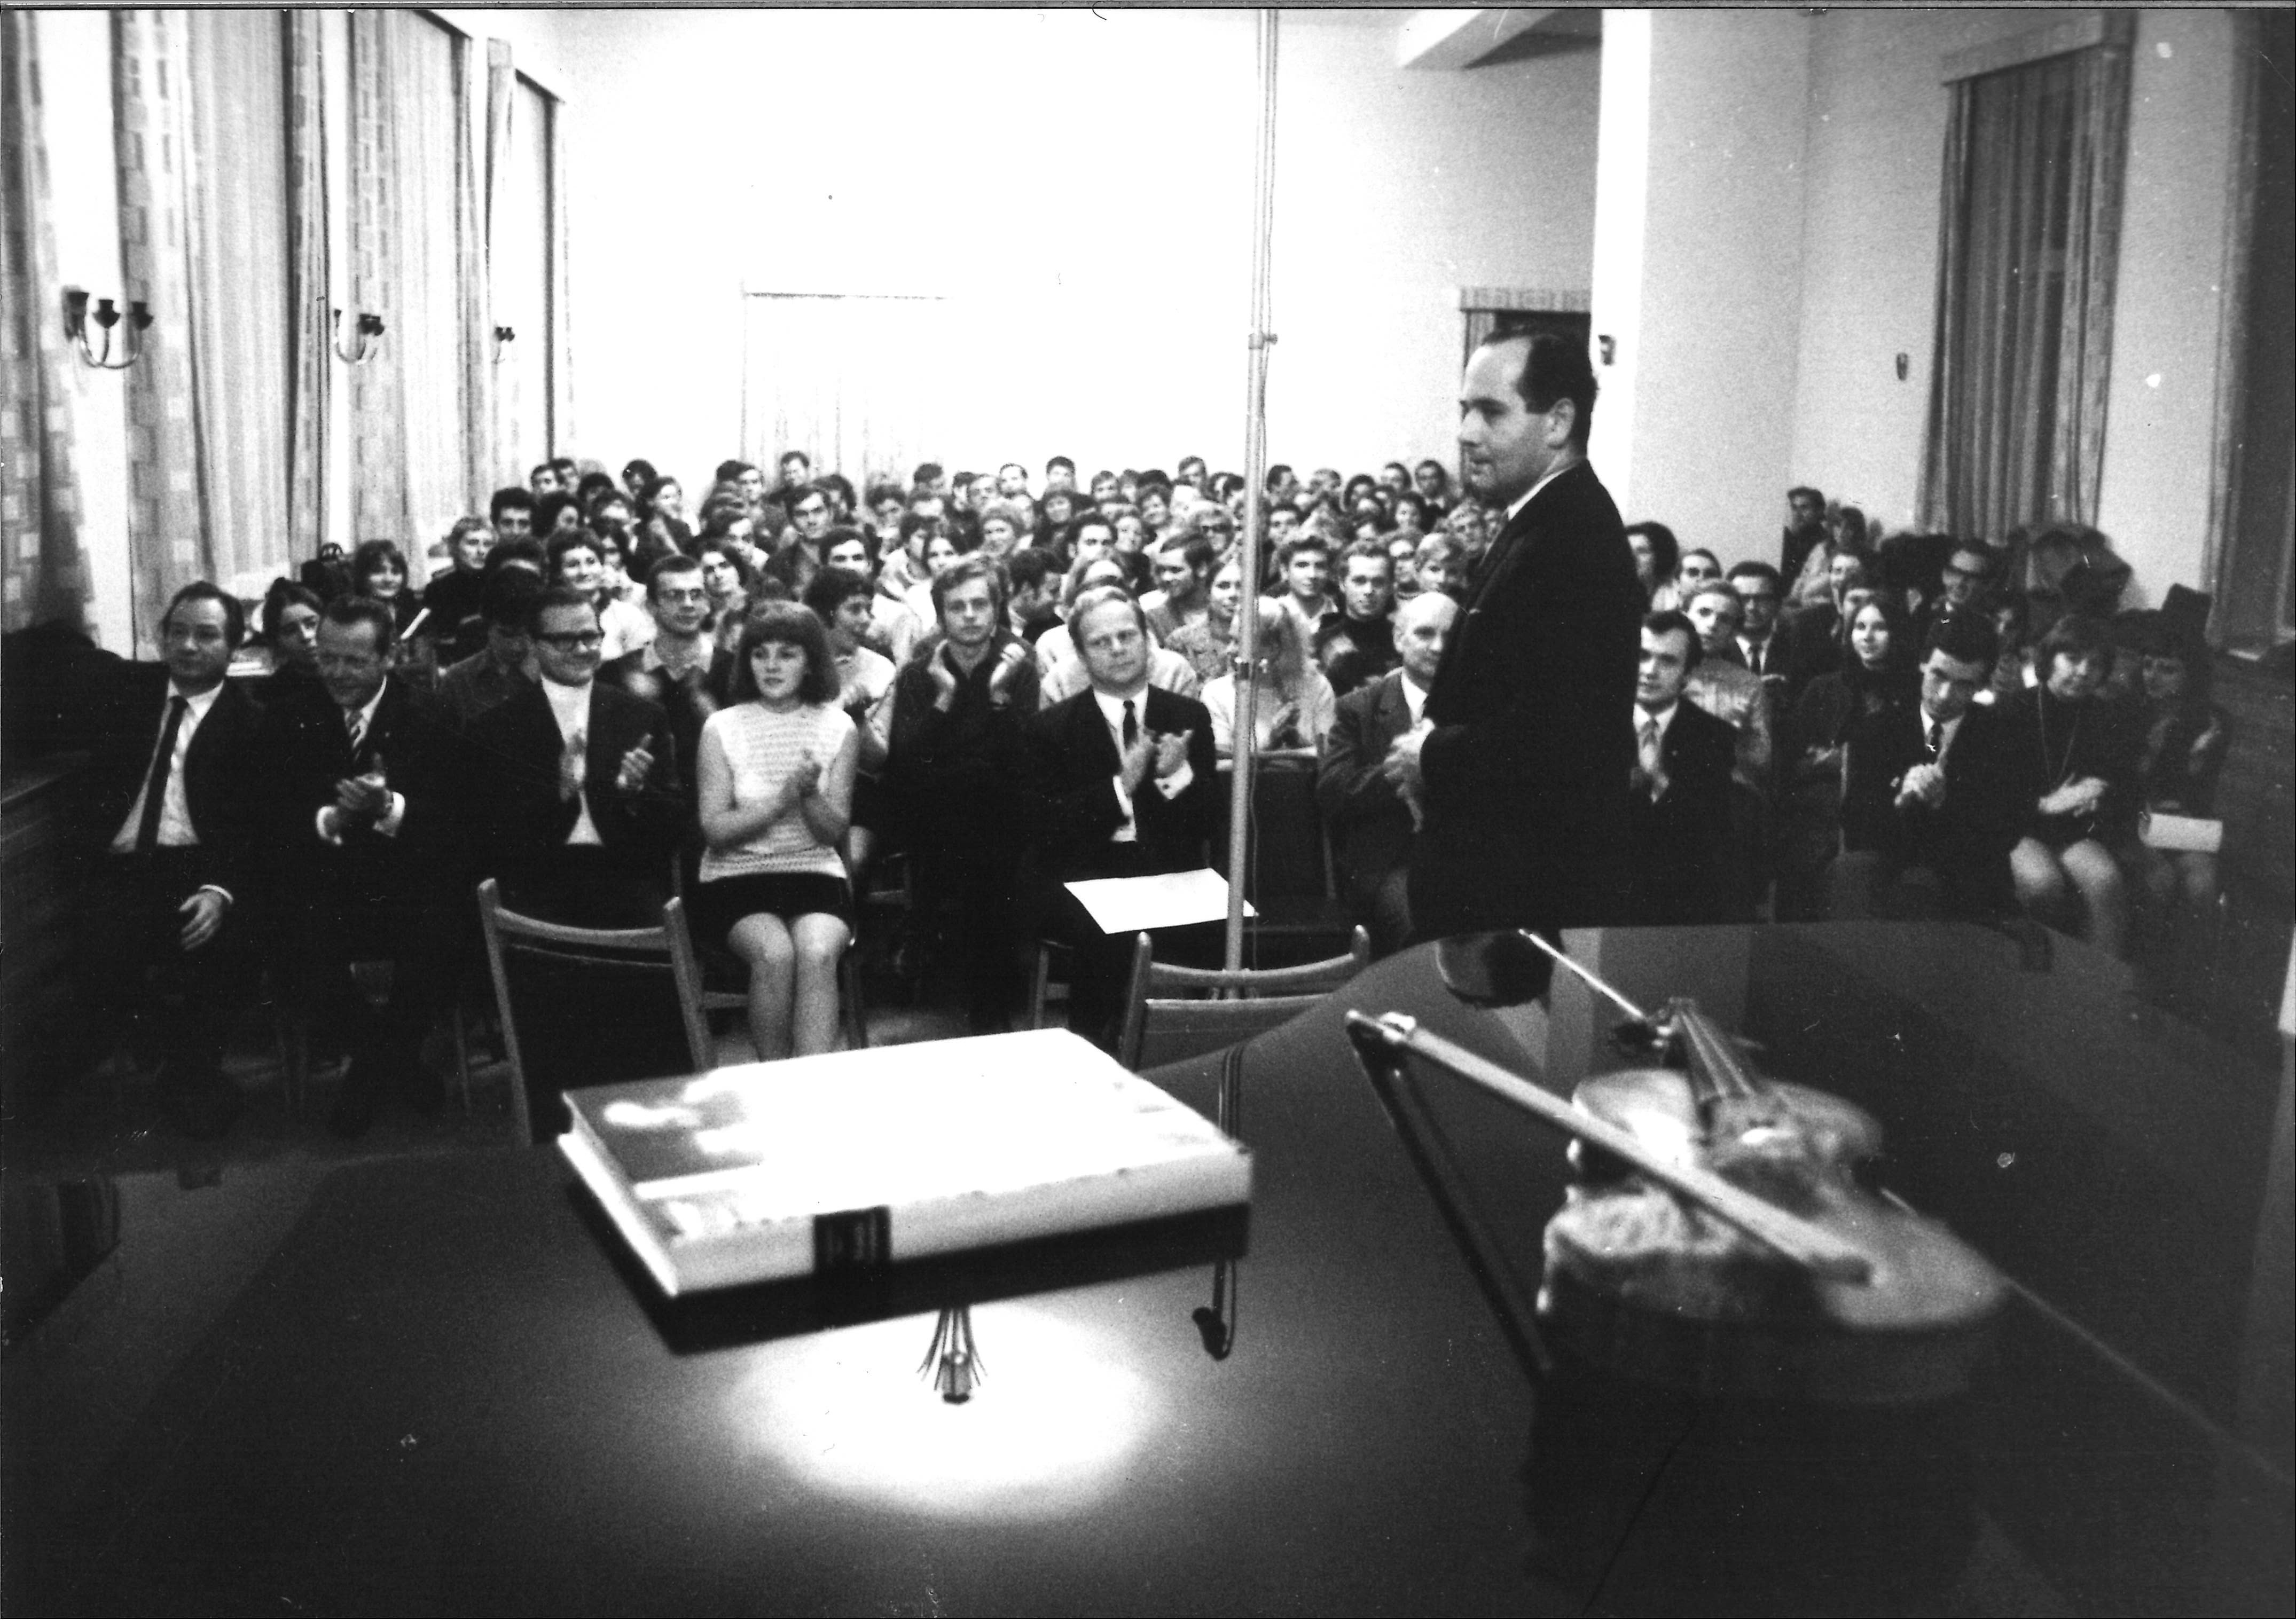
column 1173, row 1012
column 613, row 957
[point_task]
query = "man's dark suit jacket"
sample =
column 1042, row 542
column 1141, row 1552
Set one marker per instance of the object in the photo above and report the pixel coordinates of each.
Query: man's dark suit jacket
column 689, row 707
column 1370, row 825
column 1991, row 784
column 1682, row 838
column 1526, row 766
column 1073, row 766
column 221, row 771
column 514, row 749
column 308, row 751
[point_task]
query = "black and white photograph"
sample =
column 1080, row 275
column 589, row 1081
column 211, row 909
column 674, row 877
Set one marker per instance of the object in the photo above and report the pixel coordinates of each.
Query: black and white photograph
column 1125, row 809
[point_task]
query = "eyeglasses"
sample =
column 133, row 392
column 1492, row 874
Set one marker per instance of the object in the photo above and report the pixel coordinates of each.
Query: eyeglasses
column 573, row 640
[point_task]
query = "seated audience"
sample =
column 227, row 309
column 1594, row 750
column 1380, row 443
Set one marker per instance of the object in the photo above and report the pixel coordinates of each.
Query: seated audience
column 1123, row 784
column 1692, row 568
column 504, row 665
column 1293, row 702
column 1370, row 826
column 1679, row 815
column 1033, row 577
column 379, row 572
column 291, row 637
column 1936, row 795
column 1656, row 552
column 1209, row 644
column 729, row 582
column 777, row 769
column 1440, row 564
column 576, row 789
column 365, row 842
column 165, row 824
column 1727, row 689
column 1876, row 674
column 1805, row 532
column 1184, row 575
column 1304, row 565
column 683, row 668
column 1765, row 642
column 1357, row 644
column 575, row 563
column 2181, row 754
column 510, row 512
column 457, row 623
column 2063, row 865
column 955, row 772
column 840, row 599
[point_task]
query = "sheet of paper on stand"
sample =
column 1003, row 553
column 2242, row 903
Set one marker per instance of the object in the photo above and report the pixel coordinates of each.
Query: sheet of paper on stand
column 1162, row 900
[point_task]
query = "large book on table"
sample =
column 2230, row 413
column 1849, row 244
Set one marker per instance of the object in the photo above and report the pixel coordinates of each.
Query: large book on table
column 857, row 1160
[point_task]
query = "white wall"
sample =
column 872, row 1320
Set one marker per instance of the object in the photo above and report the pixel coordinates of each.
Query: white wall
column 1393, row 191
column 1702, row 147
column 1876, row 135
column 1078, row 187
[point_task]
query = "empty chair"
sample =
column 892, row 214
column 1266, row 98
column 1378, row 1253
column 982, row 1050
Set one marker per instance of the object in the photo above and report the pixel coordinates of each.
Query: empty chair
column 1175, row 1012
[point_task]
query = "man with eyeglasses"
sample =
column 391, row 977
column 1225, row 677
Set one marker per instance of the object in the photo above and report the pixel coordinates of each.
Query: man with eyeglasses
column 683, row 669
column 369, row 862
column 576, row 790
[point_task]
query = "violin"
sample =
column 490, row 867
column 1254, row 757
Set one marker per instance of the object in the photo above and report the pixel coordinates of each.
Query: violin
column 1724, row 1237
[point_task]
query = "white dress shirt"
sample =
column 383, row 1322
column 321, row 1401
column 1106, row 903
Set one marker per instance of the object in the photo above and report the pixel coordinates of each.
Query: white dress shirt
column 175, row 829
column 571, row 706
column 1111, row 711
column 394, row 815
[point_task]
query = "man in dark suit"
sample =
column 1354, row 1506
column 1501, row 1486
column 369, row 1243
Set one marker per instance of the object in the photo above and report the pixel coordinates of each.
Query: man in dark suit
column 1937, row 795
column 954, row 772
column 1679, row 811
column 367, row 855
column 1520, row 760
column 168, row 820
column 1371, row 825
column 574, row 783
column 683, row 669
column 1123, row 780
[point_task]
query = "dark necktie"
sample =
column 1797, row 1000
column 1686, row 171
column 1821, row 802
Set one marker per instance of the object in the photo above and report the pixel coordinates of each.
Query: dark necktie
column 355, row 722
column 1755, row 653
column 155, row 781
column 1936, row 739
column 1131, row 726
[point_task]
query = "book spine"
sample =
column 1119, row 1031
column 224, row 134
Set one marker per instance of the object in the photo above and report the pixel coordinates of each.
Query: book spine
column 859, row 1240
column 577, row 1148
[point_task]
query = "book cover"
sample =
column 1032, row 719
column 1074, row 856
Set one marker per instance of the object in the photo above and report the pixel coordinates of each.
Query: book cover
column 860, row 1160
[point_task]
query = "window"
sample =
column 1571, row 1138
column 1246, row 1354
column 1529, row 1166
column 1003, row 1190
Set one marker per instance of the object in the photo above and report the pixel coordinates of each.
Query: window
column 2034, row 154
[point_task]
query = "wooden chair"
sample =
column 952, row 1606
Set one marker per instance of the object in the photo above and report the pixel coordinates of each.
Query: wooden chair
column 618, row 952
column 1175, row 1012
column 696, row 969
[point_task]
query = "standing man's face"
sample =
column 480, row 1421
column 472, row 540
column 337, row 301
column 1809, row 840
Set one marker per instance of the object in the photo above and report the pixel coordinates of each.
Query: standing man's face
column 1805, row 512
column 1506, row 446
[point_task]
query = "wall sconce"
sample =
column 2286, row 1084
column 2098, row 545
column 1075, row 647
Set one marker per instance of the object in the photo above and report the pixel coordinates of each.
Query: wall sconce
column 364, row 333
column 1904, row 361
column 107, row 316
column 1608, row 344
column 505, row 336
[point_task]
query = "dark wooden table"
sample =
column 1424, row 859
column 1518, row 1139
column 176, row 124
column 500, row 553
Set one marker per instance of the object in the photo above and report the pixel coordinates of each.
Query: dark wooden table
column 444, row 1392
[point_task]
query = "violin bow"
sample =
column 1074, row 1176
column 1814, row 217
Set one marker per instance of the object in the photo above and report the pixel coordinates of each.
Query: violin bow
column 1803, row 1243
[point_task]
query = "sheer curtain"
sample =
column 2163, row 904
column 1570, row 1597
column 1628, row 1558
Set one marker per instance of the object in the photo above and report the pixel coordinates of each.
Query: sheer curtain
column 2029, row 241
column 42, row 575
column 854, row 382
column 419, row 425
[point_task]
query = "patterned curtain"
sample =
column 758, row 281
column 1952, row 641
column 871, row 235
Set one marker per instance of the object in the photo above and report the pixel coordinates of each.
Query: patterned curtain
column 45, row 576
column 413, row 259
column 308, row 324
column 167, row 531
column 241, row 313
column 2029, row 243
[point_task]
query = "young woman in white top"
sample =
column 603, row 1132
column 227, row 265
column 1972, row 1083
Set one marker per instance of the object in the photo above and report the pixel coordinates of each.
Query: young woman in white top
column 775, row 769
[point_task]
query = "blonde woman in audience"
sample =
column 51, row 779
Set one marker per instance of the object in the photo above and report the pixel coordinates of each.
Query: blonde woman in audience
column 776, row 770
column 1293, row 707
